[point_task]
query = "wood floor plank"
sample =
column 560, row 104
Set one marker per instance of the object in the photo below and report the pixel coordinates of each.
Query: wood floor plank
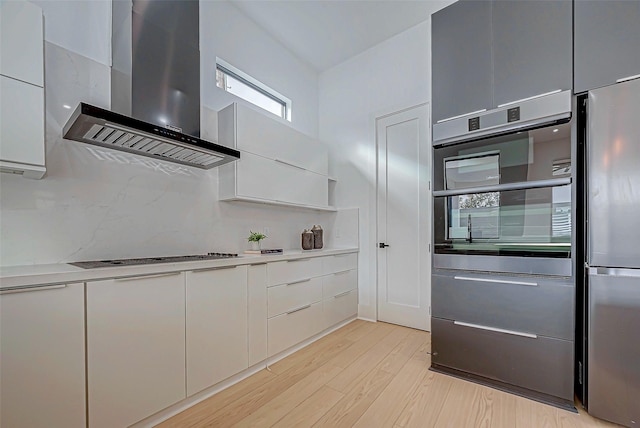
column 363, row 345
column 504, row 411
column 310, row 410
column 424, row 408
column 399, row 355
column 360, row 367
column 535, row 414
column 386, row 409
column 351, row 407
column 288, row 400
column 466, row 404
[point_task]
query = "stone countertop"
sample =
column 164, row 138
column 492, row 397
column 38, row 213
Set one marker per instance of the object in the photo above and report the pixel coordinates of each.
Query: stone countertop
column 63, row 273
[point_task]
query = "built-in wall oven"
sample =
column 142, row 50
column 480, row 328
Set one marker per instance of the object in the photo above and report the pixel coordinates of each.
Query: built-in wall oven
column 507, row 196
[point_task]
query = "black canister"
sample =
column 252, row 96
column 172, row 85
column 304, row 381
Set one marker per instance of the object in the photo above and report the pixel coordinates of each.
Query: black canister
column 317, row 236
column 307, row 240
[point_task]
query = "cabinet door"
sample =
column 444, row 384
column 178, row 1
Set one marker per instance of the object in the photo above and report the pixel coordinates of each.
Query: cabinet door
column 216, row 326
column 532, row 48
column 42, row 370
column 259, row 177
column 21, row 42
column 22, row 130
column 461, row 59
column 257, row 316
column 135, row 347
column 606, row 42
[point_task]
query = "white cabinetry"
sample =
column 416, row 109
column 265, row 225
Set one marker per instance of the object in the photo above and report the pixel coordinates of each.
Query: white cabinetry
column 135, row 347
column 306, row 296
column 278, row 165
column 42, row 372
column 257, row 316
column 216, row 326
column 22, row 147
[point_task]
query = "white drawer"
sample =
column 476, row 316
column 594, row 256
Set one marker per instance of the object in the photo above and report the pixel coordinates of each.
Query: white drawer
column 293, row 327
column 339, row 282
column 287, row 297
column 339, row 308
column 288, row 271
column 339, row 263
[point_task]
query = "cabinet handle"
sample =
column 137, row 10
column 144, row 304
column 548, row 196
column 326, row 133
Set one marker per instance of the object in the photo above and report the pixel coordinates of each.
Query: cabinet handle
column 300, row 281
column 215, row 268
column 497, row 281
column 461, row 115
column 298, row 309
column 11, row 290
column 298, row 260
column 342, row 255
column 342, row 294
column 290, row 164
column 498, row 330
column 342, row 272
column 530, row 98
column 158, row 275
column 624, row 79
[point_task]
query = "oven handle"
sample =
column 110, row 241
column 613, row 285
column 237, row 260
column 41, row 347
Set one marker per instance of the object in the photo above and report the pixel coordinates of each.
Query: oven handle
column 507, row 186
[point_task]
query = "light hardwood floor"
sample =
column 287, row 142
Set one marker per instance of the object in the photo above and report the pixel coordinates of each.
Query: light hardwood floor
column 369, row 375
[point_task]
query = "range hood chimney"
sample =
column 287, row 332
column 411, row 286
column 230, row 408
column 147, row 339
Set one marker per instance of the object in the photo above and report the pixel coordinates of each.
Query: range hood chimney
column 155, row 87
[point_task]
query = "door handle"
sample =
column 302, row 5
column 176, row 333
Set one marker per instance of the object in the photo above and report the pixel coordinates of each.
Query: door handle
column 383, row 245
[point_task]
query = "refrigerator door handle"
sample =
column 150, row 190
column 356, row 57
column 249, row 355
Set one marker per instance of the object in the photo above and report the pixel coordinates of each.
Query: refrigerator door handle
column 614, row 271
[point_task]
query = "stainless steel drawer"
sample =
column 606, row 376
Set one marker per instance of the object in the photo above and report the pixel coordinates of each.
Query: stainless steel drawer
column 539, row 305
column 539, row 363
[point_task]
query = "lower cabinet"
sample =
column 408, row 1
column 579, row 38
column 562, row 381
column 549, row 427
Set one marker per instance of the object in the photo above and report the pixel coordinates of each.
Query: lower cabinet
column 42, row 371
column 257, row 316
column 216, row 326
column 293, row 327
column 135, row 347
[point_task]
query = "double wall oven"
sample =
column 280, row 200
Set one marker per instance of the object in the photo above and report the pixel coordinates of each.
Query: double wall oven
column 507, row 197
column 503, row 291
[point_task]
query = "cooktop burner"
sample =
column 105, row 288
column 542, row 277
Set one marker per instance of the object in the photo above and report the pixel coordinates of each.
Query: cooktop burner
column 151, row 260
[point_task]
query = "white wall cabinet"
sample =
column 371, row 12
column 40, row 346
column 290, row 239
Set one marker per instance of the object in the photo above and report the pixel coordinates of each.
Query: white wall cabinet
column 135, row 347
column 42, row 378
column 217, row 344
column 22, row 132
column 278, row 165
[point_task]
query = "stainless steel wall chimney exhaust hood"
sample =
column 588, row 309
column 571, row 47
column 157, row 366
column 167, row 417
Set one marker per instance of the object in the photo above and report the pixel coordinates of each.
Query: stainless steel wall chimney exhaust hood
column 155, row 87
column 93, row 125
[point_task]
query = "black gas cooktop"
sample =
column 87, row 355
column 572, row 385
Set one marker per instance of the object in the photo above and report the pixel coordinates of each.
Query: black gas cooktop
column 151, row 260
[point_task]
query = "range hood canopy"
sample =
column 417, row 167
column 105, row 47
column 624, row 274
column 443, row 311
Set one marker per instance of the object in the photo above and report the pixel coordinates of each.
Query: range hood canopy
column 94, row 125
column 155, row 88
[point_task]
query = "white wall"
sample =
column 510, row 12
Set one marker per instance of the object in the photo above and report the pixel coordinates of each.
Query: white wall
column 98, row 204
column 389, row 77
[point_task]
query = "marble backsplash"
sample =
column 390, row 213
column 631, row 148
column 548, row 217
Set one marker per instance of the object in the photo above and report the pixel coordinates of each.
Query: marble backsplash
column 95, row 203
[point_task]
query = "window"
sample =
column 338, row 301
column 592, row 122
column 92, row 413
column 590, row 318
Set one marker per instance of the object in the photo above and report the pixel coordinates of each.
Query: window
column 249, row 89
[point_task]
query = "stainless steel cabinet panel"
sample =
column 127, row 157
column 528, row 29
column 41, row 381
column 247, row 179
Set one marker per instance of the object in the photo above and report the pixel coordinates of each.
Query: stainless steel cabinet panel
column 613, row 348
column 540, row 364
column 536, row 305
column 613, row 150
column 606, row 42
column 461, row 59
column 532, row 48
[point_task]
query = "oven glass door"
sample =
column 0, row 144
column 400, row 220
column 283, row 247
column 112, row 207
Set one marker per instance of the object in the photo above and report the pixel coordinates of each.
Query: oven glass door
column 533, row 222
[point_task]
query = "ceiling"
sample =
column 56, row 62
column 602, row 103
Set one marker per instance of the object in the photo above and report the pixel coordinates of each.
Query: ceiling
column 325, row 33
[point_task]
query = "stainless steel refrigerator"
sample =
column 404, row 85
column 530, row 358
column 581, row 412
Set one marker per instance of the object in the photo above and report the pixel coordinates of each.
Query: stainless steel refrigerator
column 613, row 253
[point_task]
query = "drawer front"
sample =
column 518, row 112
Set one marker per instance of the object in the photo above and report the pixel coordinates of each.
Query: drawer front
column 543, row 306
column 339, row 282
column 288, row 329
column 288, row 271
column 339, row 263
column 339, row 308
column 287, row 297
column 538, row 363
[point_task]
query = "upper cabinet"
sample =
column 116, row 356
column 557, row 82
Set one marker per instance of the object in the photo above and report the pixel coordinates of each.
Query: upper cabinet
column 606, row 43
column 490, row 54
column 22, row 149
column 278, row 165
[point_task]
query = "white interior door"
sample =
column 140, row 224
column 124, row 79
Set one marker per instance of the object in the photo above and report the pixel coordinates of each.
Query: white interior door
column 404, row 218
